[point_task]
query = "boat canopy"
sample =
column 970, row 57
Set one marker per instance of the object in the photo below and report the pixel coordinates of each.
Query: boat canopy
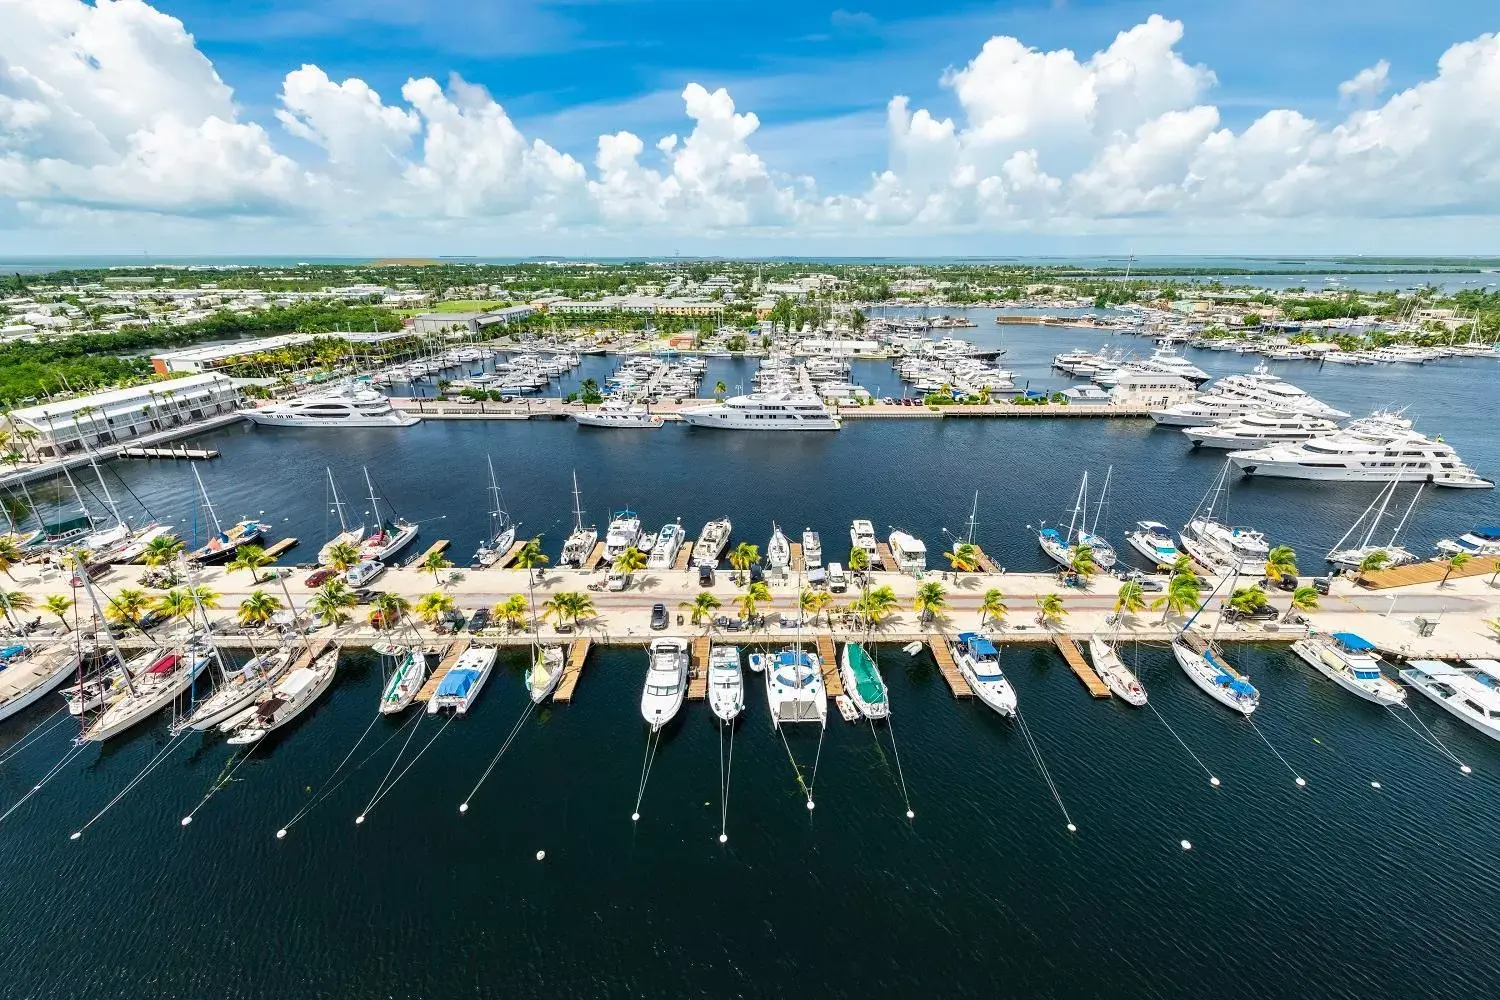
column 1490, row 531
column 457, row 683
column 164, row 665
column 1352, row 642
column 977, row 644
column 866, row 676
column 10, row 651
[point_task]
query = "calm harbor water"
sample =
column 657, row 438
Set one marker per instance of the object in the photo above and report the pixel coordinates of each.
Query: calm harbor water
column 1335, row 890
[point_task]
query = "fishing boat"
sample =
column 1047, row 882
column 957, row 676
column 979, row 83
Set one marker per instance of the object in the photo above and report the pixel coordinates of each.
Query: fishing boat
column 287, row 699
column 1472, row 696
column 726, row 682
column 544, row 673
column 812, row 549
column 502, row 530
column 863, row 683
column 1350, row 662
column 27, row 675
column 238, row 690
column 668, row 542
column 908, row 552
column 1351, row 556
column 666, row 682
column 794, row 687
column 978, row 661
column 1153, row 540
column 389, row 537
column 156, row 687
column 624, row 532
column 1119, row 678
column 346, row 535
column 711, row 542
column 580, row 544
column 461, row 685
column 778, row 549
column 224, row 544
column 405, row 681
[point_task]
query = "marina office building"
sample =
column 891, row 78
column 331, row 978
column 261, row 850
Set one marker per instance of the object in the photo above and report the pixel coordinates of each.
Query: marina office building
column 105, row 418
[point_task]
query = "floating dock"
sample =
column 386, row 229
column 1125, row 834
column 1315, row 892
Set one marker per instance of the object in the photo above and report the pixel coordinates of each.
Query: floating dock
column 1427, row 572
column 277, row 548
column 832, row 682
column 578, row 652
column 986, row 564
column 1070, row 652
column 191, row 454
column 449, row 660
column 594, row 558
column 797, row 564
column 509, row 557
column 698, row 671
column 944, row 657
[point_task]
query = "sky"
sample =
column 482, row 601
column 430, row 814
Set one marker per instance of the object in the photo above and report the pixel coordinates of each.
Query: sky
column 621, row 127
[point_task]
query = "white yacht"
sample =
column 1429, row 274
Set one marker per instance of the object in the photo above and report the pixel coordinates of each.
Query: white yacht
column 1119, row 678
column 765, row 411
column 778, row 549
column 26, row 676
column 149, row 691
column 463, row 681
column 1350, row 662
column 863, row 683
column 978, row 661
column 1237, row 395
column 1380, row 448
column 794, row 687
column 664, row 550
column 580, row 544
column 1213, row 674
column 348, row 406
column 908, row 551
column 289, row 698
column 238, row 690
column 1166, row 361
column 1152, row 540
column 726, row 682
column 1483, row 540
column 544, row 673
column 1470, row 695
column 502, row 529
column 862, row 536
column 405, row 681
column 666, row 682
column 711, row 542
column 812, row 549
column 624, row 532
column 1258, row 429
column 618, row 414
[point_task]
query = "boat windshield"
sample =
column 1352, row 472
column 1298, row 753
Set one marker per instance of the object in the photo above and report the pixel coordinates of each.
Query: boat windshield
column 661, row 689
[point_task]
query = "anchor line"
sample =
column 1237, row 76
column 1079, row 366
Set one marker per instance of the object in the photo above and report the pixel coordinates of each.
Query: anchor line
column 323, row 793
column 896, row 753
column 1284, row 761
column 172, row 744
column 1430, row 739
column 1036, row 754
column 224, row 778
column 417, row 721
column 725, row 770
column 410, row 764
column 796, row 768
column 36, row 733
column 653, row 740
column 73, row 752
column 504, row 746
column 1180, row 742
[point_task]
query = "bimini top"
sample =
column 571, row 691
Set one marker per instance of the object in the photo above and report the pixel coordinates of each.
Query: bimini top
column 457, row 683
column 978, row 645
column 1352, row 642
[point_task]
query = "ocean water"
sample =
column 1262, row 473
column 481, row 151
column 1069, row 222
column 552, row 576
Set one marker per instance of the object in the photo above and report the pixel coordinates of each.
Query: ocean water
column 1330, row 891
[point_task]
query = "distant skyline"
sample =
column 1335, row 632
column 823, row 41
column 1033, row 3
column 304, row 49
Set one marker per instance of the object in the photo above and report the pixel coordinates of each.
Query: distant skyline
column 626, row 127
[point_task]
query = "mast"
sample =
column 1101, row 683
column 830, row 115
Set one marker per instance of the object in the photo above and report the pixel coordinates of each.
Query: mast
column 1355, row 526
column 207, row 503
column 973, row 516
column 82, row 507
column 1409, row 509
column 1099, row 508
column 1079, row 504
column 577, row 505
column 109, row 501
column 338, row 505
column 374, row 502
column 496, row 514
column 1385, row 501
column 88, row 586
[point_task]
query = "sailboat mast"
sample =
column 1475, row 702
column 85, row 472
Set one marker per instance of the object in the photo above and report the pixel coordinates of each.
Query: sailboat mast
column 109, row 501
column 1078, row 505
column 338, row 505
column 1385, row 501
column 374, row 502
column 1099, row 507
column 494, row 487
column 577, row 504
column 207, row 503
column 1410, row 507
column 88, row 586
column 973, row 517
column 83, row 507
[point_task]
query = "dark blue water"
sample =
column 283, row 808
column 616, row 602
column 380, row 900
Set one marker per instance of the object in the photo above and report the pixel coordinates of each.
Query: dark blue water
column 1332, row 891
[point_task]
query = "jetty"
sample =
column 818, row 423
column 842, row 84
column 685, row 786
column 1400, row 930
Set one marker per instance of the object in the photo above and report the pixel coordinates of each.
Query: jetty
column 450, row 659
column 1431, row 571
column 986, row 564
column 594, row 558
column 441, row 545
column 832, row 682
column 275, row 549
column 883, row 556
column 698, row 671
column 1080, row 667
column 509, row 556
column 797, row 565
column 578, row 652
column 944, row 657
column 190, row 454
column 684, row 555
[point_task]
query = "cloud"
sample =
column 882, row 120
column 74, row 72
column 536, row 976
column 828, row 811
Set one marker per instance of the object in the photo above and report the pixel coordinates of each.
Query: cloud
column 1368, row 84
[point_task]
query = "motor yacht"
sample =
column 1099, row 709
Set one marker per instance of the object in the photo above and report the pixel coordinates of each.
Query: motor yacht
column 1259, row 429
column 1483, row 540
column 618, row 414
column 711, row 542
column 1153, row 540
column 666, row 681
column 1237, row 395
column 1380, row 448
column 765, row 411
column 350, row 405
column 908, row 551
column 726, row 682
column 978, row 661
column 862, row 536
column 664, row 551
column 794, row 687
column 463, row 681
column 1472, row 696
column 1350, row 662
column 812, row 549
column 624, row 532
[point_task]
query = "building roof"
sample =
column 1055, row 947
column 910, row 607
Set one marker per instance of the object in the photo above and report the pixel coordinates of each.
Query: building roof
column 218, row 352
column 102, row 400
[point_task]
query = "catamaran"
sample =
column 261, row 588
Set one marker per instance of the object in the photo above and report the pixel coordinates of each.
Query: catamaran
column 1350, row 662
column 726, row 682
column 794, row 687
column 405, row 681
column 502, row 530
column 666, row 682
column 978, row 661
column 287, row 699
column 346, row 535
column 389, row 537
column 580, row 544
column 863, row 683
column 711, row 542
column 545, row 671
column 1119, row 678
column 461, row 685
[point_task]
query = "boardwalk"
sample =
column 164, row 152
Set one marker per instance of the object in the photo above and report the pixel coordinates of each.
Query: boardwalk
column 441, row 545
column 683, row 555
column 595, row 558
column 1427, row 572
column 797, row 564
column 510, row 556
column 832, row 682
column 883, row 556
column 944, row 657
column 986, row 564
column 1070, row 652
column 698, row 672
column 577, row 653
column 450, row 658
column 277, row 548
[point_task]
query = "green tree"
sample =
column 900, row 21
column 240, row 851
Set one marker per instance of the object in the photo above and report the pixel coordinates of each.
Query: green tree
column 742, row 557
column 877, row 605
column 512, row 611
column 930, row 600
column 1281, row 563
column 703, row 605
column 343, row 557
column 390, row 610
column 1373, row 562
column 570, row 605
column 1248, row 599
column 859, row 560
column 1181, row 596
column 434, row 563
column 58, row 605
column 632, row 560
column 1081, row 561
column 331, row 603
column 10, row 554
column 1130, row 599
column 1050, row 610
column 258, row 608
column 963, row 558
column 992, row 607
column 720, row 388
column 1456, row 561
column 127, row 607
column 1303, row 599
column 14, row 601
column 755, row 595
column 812, row 602
column 251, row 557
column 162, row 549
column 434, row 607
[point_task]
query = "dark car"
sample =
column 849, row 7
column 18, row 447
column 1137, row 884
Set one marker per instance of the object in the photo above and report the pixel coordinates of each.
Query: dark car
column 705, row 575
column 318, row 577
column 1322, row 584
column 1262, row 614
column 1285, row 582
column 658, row 616
column 1149, row 584
column 94, row 571
column 757, row 575
column 366, row 595
column 480, row 621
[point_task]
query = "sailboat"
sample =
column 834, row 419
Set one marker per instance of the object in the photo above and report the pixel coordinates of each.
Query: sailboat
column 1119, row 678
column 1206, row 666
column 545, row 671
column 461, row 685
column 502, row 530
column 101, row 542
column 238, row 690
column 581, row 542
column 1219, row 546
column 1102, row 551
column 346, row 535
column 1053, row 542
column 1351, row 557
column 288, row 698
column 405, row 681
column 863, row 683
column 778, row 550
column 223, row 545
column 390, row 537
column 794, row 686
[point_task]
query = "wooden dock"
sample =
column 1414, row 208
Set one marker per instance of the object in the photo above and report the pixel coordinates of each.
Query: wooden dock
column 595, row 558
column 797, row 565
column 309, row 655
column 684, row 555
column 275, row 549
column 944, row 657
column 441, row 545
column 832, row 682
column 986, row 564
column 883, row 556
column 1070, row 652
column 510, row 556
column 192, row 454
column 1427, row 572
column 578, row 652
column 449, row 660
column 698, row 672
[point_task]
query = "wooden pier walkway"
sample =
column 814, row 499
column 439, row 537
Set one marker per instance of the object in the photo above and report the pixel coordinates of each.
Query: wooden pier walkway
column 797, row 564
column 986, row 564
column 510, row 556
column 595, row 558
column 577, row 653
column 944, row 657
column 883, row 557
column 1070, row 652
column 449, row 660
column 1426, row 572
column 698, row 671
column 684, row 554
column 309, row 655
column 275, row 549
column 193, row 454
column 832, row 682
column 441, row 545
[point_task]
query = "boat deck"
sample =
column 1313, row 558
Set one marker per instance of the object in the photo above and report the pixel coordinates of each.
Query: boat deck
column 698, row 671
column 1195, row 642
column 275, row 549
column 595, row 558
column 450, row 659
column 1426, row 572
column 832, row 682
column 578, row 652
column 944, row 657
column 1080, row 667
column 797, row 564
column 510, row 555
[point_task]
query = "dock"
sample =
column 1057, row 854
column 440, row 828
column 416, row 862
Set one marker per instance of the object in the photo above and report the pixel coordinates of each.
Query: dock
column 449, row 660
column 986, row 564
column 944, row 657
column 594, row 558
column 1426, row 572
column 191, row 454
column 309, row 654
column 883, row 556
column 684, row 555
column 275, row 549
column 578, row 652
column 832, row 682
column 1070, row 652
column 797, row 564
column 698, row 672
column 509, row 557
column 441, row 545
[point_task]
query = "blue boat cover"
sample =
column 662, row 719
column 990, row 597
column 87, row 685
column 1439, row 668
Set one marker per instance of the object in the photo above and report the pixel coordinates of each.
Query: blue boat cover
column 457, row 683
column 1488, row 531
column 978, row 645
column 787, row 658
column 1241, row 687
column 10, row 651
column 1353, row 642
column 1050, row 533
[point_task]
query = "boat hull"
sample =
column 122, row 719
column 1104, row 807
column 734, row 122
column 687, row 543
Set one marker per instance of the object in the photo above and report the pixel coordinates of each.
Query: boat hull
column 41, row 682
column 325, row 680
column 122, row 716
column 1276, row 469
column 1310, row 654
column 1203, row 675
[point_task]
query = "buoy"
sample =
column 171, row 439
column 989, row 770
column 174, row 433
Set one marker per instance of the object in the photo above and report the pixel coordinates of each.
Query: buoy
column 1072, row 828
column 1214, row 782
column 809, row 805
column 463, row 808
column 1375, row 785
column 910, row 814
column 1301, row 781
column 280, row 834
column 723, row 838
column 1187, row 845
column 635, row 817
column 541, row 855
column 186, row 820
column 1466, row 769
column 358, row 820
column 76, row 835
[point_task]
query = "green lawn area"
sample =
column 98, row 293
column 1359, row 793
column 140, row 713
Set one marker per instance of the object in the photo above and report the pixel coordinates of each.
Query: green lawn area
column 466, row 305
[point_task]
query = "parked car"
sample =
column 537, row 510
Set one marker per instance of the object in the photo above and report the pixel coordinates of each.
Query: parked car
column 366, row 595
column 1322, row 584
column 658, row 616
column 365, row 573
column 94, row 571
column 1262, row 614
column 318, row 577
column 705, row 576
column 1286, row 582
column 480, row 620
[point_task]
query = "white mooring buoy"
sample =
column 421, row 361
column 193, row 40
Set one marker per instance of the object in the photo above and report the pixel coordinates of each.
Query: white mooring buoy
column 186, row 820
column 635, row 817
column 358, row 820
column 810, row 805
column 910, row 814
column 541, row 855
column 1187, row 845
column 1466, row 769
column 1214, row 782
column 75, row 836
column 463, row 808
column 280, row 834
column 1301, row 781
column 723, row 838
column 1072, row 828
column 1375, row 785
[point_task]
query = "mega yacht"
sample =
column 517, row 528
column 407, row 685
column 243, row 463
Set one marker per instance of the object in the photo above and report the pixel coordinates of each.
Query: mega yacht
column 27, row 676
column 1380, row 449
column 1350, row 662
column 624, row 532
column 156, row 687
column 1237, row 395
column 863, row 683
column 978, row 661
column 765, row 411
column 618, row 414
column 908, row 551
column 1259, row 429
column 1166, row 361
column 812, row 549
column 1472, row 696
column 1153, row 540
column 287, row 699
column 794, row 687
column 1482, row 541
column 666, row 682
column 778, row 549
column 726, row 682
column 711, row 542
column 545, row 671
column 348, row 406
column 463, row 681
column 405, row 681
column 1119, row 678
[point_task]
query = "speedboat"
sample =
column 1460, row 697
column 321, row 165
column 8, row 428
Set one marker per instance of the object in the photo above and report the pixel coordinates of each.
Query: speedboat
column 169, row 675
column 1152, row 540
column 812, row 549
column 405, row 681
column 726, row 682
column 461, row 684
column 27, row 676
column 1472, row 696
column 908, row 551
column 978, row 661
column 778, row 550
column 1482, row 541
column 666, row 681
column 1349, row 661
column 863, row 683
column 618, row 414
column 794, row 687
column 711, row 542
column 1120, row 679
column 224, row 544
column 287, row 699
column 542, row 676
column 1213, row 674
column 668, row 541
column 238, row 690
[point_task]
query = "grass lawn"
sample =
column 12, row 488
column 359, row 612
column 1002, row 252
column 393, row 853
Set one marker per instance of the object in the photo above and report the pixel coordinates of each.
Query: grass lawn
column 465, row 305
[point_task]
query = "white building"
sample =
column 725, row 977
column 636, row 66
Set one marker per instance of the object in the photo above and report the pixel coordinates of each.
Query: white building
column 104, row 418
column 1151, row 389
column 839, row 347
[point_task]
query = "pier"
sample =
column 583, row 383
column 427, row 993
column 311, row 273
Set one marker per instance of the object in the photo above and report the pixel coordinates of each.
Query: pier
column 509, row 556
column 698, row 671
column 578, row 652
column 832, row 682
column 797, row 565
column 275, row 549
column 684, row 555
column 1080, row 667
column 883, row 556
column 1426, row 572
column 944, row 657
column 986, row 564
column 441, row 545
column 450, row 659
column 190, row 454
column 594, row 558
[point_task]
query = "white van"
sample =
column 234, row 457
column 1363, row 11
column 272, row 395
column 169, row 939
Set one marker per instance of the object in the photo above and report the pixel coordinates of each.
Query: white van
column 837, row 583
column 365, row 573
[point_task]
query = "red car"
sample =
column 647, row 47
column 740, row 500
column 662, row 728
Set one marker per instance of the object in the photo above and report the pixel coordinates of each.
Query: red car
column 318, row 577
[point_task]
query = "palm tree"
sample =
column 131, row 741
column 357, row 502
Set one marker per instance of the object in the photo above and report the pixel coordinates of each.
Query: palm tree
column 1248, row 599
column 1303, row 599
column 742, row 557
column 630, row 561
column 963, row 558
column 720, row 389
column 930, row 600
column 343, row 557
column 531, row 557
column 175, row 603
column 1082, row 561
column 434, row 563
column 877, row 605
column 389, row 609
column 128, row 606
column 1281, row 562
column 15, row 600
column 992, row 607
column 1456, row 561
column 10, row 554
column 859, row 560
column 811, row 602
column 257, row 609
column 755, row 595
column 1130, row 599
column 703, row 605
column 59, row 605
column 332, row 602
column 569, row 604
column 1183, row 564
column 433, row 607
column 162, row 549
column 251, row 557
column 1050, row 610
column 512, row 611
column 1181, row 596
column 1374, row 562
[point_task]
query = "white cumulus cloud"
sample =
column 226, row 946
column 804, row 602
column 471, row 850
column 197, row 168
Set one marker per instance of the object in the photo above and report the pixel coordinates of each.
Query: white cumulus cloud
column 1368, row 84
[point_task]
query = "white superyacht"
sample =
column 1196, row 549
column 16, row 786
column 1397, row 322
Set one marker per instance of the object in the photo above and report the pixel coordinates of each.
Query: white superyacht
column 1376, row 449
column 347, row 406
column 1237, row 395
column 1259, row 429
column 765, row 411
